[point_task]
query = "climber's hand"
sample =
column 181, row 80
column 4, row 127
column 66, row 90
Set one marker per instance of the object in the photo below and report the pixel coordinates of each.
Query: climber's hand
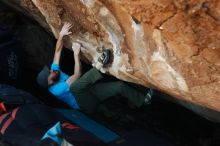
column 65, row 29
column 76, row 47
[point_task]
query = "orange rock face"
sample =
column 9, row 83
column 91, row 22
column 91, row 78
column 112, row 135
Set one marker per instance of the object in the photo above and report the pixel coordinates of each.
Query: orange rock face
column 170, row 45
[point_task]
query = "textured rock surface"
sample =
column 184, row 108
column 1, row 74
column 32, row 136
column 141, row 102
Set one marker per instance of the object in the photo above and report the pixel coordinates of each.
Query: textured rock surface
column 170, row 45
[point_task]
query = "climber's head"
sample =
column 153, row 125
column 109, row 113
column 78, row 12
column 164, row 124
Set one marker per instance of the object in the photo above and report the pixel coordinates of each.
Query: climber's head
column 53, row 77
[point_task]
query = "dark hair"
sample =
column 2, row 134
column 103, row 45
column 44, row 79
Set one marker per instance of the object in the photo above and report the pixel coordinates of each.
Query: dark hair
column 48, row 142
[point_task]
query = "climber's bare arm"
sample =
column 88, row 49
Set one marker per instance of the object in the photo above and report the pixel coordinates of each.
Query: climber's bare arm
column 59, row 45
column 77, row 69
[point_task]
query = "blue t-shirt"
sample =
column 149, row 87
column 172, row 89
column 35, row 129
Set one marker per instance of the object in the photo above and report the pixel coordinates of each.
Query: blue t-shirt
column 61, row 89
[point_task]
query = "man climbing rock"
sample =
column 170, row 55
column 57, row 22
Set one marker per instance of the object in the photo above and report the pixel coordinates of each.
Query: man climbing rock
column 83, row 92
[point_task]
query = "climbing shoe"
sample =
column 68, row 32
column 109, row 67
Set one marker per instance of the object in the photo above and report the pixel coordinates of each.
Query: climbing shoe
column 148, row 97
column 104, row 58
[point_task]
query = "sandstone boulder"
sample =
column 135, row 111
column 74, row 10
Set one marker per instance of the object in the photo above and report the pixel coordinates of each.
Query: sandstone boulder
column 169, row 45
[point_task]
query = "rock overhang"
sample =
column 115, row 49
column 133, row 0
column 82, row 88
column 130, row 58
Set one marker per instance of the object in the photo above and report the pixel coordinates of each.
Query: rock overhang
column 172, row 46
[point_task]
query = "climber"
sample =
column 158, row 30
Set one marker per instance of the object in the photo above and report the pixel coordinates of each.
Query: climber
column 82, row 92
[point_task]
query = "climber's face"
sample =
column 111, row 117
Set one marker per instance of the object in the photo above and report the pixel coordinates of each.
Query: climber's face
column 53, row 77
